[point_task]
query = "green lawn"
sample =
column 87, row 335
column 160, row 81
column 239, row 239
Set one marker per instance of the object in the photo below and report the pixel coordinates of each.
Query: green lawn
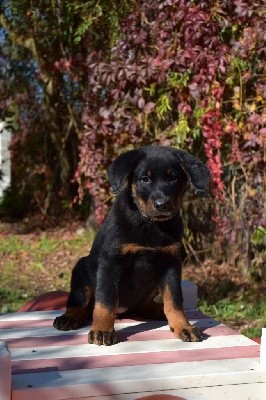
column 33, row 263
column 247, row 317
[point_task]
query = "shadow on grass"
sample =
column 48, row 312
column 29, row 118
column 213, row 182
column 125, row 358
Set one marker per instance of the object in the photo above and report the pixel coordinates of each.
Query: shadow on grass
column 214, row 290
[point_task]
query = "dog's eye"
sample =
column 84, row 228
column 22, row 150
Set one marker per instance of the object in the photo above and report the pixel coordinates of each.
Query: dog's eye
column 172, row 178
column 145, row 179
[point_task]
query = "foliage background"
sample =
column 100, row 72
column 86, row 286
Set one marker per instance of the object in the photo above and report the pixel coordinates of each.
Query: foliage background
column 188, row 74
column 82, row 81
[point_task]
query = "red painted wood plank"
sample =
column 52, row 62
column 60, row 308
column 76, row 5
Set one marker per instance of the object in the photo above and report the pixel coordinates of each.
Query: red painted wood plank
column 219, row 330
column 76, row 339
column 62, row 340
column 35, row 323
column 122, row 360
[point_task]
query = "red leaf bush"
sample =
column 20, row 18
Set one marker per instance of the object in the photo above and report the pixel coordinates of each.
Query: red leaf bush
column 188, row 74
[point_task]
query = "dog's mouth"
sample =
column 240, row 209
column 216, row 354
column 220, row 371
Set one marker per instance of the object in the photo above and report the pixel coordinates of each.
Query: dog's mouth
column 158, row 218
column 149, row 210
column 161, row 216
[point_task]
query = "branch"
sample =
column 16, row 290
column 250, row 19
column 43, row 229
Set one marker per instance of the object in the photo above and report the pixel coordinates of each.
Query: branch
column 28, row 42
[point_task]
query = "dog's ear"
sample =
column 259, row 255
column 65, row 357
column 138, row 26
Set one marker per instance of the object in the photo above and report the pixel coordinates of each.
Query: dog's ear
column 197, row 173
column 122, row 167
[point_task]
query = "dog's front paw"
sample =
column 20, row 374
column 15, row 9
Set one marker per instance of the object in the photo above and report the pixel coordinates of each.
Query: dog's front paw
column 189, row 334
column 106, row 338
column 66, row 323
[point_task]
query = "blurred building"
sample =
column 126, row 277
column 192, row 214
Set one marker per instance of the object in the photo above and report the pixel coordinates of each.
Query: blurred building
column 5, row 157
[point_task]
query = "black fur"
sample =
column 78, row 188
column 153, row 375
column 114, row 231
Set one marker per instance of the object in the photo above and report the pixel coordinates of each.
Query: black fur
column 136, row 253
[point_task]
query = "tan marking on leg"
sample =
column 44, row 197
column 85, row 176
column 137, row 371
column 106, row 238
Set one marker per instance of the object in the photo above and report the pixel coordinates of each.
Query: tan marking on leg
column 75, row 317
column 80, row 312
column 103, row 318
column 176, row 317
column 88, row 292
column 102, row 331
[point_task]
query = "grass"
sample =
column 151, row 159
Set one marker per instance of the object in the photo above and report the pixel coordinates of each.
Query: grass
column 242, row 315
column 11, row 299
column 34, row 263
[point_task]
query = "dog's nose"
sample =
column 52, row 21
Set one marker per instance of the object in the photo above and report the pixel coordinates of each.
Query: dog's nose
column 162, row 205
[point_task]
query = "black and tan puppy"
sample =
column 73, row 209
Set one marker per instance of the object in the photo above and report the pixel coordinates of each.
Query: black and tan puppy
column 136, row 253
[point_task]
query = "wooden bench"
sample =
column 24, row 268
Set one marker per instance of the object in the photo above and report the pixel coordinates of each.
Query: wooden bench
column 38, row 362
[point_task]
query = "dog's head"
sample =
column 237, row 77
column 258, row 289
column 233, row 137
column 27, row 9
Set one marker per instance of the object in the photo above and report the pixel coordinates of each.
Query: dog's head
column 158, row 177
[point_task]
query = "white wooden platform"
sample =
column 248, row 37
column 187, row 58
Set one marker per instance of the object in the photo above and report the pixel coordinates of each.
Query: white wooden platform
column 148, row 362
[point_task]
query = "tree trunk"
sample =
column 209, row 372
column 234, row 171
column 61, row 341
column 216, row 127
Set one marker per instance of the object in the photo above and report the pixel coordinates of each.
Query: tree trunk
column 63, row 132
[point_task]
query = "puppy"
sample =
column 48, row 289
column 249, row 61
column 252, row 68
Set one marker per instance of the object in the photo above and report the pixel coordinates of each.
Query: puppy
column 137, row 251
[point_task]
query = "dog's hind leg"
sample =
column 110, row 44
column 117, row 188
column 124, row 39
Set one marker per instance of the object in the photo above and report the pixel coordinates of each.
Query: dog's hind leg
column 80, row 301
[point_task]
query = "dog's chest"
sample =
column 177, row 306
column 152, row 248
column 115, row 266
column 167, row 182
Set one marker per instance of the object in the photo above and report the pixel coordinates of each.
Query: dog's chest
column 140, row 275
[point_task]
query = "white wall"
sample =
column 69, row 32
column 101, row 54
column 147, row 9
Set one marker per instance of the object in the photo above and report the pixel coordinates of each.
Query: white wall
column 5, row 158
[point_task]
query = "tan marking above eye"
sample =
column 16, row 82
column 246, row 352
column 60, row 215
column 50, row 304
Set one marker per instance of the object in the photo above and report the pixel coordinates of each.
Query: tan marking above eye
column 171, row 175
